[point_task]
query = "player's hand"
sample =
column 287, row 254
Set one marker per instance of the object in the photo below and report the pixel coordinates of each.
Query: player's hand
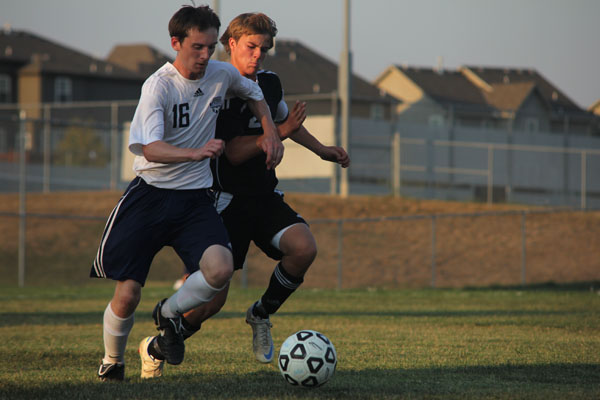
column 294, row 121
column 271, row 145
column 212, row 149
column 335, row 154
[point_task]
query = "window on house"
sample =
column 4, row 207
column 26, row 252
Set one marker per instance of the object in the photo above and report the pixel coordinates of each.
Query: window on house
column 5, row 89
column 63, row 89
column 3, row 140
column 377, row 111
column 435, row 121
column 532, row 124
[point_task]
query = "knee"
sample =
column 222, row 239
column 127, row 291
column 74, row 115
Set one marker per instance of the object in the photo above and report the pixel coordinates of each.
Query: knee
column 217, row 266
column 126, row 298
column 304, row 251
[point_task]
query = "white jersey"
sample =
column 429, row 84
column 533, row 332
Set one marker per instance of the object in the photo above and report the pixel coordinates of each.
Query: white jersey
column 183, row 113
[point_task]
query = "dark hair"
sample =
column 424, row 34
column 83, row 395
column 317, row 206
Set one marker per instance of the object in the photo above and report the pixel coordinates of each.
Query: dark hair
column 189, row 17
column 248, row 24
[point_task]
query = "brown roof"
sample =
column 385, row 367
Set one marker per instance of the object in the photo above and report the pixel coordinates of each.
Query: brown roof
column 553, row 96
column 489, row 89
column 141, row 58
column 24, row 48
column 304, row 71
column 445, row 86
column 509, row 97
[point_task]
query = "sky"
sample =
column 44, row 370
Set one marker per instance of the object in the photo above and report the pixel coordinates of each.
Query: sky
column 555, row 37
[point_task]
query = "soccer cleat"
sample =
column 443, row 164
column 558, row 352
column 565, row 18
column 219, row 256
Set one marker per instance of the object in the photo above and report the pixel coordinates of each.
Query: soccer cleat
column 262, row 342
column 170, row 340
column 151, row 367
column 111, row 372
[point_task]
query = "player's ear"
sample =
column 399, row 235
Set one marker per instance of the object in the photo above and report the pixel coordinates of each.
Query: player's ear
column 232, row 42
column 175, row 43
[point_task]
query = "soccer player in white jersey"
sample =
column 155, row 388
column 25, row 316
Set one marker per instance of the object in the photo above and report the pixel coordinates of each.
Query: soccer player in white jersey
column 251, row 207
column 169, row 203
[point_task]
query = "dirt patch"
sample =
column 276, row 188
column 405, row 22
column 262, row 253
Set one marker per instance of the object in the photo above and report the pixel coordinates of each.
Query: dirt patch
column 437, row 243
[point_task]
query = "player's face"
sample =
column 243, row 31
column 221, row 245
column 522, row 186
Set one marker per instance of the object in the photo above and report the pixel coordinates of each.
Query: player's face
column 248, row 53
column 194, row 52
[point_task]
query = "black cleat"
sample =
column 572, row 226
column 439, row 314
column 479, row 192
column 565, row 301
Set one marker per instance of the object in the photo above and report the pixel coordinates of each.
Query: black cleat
column 170, row 340
column 111, row 372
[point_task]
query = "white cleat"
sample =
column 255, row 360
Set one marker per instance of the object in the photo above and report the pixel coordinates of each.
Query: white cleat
column 262, row 342
column 151, row 367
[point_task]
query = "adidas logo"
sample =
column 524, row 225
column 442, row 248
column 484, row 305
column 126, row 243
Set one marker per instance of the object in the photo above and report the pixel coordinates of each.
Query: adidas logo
column 198, row 93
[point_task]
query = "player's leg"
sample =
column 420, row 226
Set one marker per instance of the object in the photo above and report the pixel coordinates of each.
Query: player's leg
column 151, row 356
column 203, row 245
column 299, row 251
column 125, row 253
column 284, row 236
column 117, row 323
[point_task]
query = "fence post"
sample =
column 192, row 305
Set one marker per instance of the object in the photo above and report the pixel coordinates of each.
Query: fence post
column 245, row 275
column 523, row 249
column 583, row 180
column 22, row 197
column 340, row 252
column 396, row 183
column 114, row 162
column 490, row 176
column 433, row 239
column 47, row 150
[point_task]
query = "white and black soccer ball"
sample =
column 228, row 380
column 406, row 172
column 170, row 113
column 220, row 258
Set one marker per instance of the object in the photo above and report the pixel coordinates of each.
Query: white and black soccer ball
column 307, row 358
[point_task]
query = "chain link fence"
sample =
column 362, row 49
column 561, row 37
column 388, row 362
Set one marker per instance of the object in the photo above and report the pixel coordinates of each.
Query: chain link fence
column 59, row 149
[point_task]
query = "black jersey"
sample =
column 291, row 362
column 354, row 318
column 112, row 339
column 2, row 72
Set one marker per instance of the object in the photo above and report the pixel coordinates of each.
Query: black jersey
column 235, row 119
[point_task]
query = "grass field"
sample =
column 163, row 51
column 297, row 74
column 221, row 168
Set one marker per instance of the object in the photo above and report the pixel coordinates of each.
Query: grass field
column 532, row 343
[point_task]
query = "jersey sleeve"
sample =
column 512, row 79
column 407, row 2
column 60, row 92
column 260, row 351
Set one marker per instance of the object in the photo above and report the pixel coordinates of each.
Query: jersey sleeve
column 282, row 112
column 243, row 87
column 148, row 124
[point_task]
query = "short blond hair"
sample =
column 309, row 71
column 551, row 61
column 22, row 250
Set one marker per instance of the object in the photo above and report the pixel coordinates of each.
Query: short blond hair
column 248, row 24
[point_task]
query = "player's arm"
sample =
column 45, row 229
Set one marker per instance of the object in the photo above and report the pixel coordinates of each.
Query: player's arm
column 293, row 128
column 242, row 148
column 269, row 141
column 334, row 154
column 293, row 122
column 162, row 152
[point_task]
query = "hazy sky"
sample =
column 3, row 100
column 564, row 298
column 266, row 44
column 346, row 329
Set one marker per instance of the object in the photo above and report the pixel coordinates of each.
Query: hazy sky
column 558, row 38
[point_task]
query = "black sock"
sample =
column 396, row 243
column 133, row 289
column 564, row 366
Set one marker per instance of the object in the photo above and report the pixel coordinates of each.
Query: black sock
column 188, row 329
column 281, row 286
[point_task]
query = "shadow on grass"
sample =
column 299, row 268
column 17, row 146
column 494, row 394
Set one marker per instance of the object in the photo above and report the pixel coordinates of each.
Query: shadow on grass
column 82, row 318
column 585, row 286
column 504, row 381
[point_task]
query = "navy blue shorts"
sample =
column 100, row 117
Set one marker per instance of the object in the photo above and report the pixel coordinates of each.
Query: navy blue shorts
column 258, row 219
column 148, row 218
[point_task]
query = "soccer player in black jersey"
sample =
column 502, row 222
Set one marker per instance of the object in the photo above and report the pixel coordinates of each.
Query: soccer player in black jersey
column 251, row 207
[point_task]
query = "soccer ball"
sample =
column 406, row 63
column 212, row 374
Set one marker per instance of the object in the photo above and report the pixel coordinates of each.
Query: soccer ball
column 307, row 358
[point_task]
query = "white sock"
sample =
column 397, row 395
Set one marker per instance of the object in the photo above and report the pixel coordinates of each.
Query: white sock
column 116, row 331
column 194, row 292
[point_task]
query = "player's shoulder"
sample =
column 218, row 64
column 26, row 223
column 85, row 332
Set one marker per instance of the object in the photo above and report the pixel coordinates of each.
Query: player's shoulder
column 161, row 77
column 266, row 75
column 268, row 79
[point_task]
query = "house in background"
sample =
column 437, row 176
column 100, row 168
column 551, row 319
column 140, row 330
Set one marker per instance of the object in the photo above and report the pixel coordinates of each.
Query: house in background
column 142, row 59
column 49, row 82
column 35, row 70
column 306, row 73
column 481, row 97
column 595, row 108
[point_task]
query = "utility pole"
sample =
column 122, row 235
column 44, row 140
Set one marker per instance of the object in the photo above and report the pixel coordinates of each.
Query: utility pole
column 345, row 91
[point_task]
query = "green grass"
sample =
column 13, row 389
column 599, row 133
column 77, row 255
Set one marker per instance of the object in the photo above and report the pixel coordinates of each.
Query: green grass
column 542, row 343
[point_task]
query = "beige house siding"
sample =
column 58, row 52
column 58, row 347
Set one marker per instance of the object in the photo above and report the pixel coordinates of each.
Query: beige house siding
column 298, row 162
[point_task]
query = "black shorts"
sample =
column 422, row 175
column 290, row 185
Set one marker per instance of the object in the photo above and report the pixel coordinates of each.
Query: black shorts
column 148, row 218
column 257, row 218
